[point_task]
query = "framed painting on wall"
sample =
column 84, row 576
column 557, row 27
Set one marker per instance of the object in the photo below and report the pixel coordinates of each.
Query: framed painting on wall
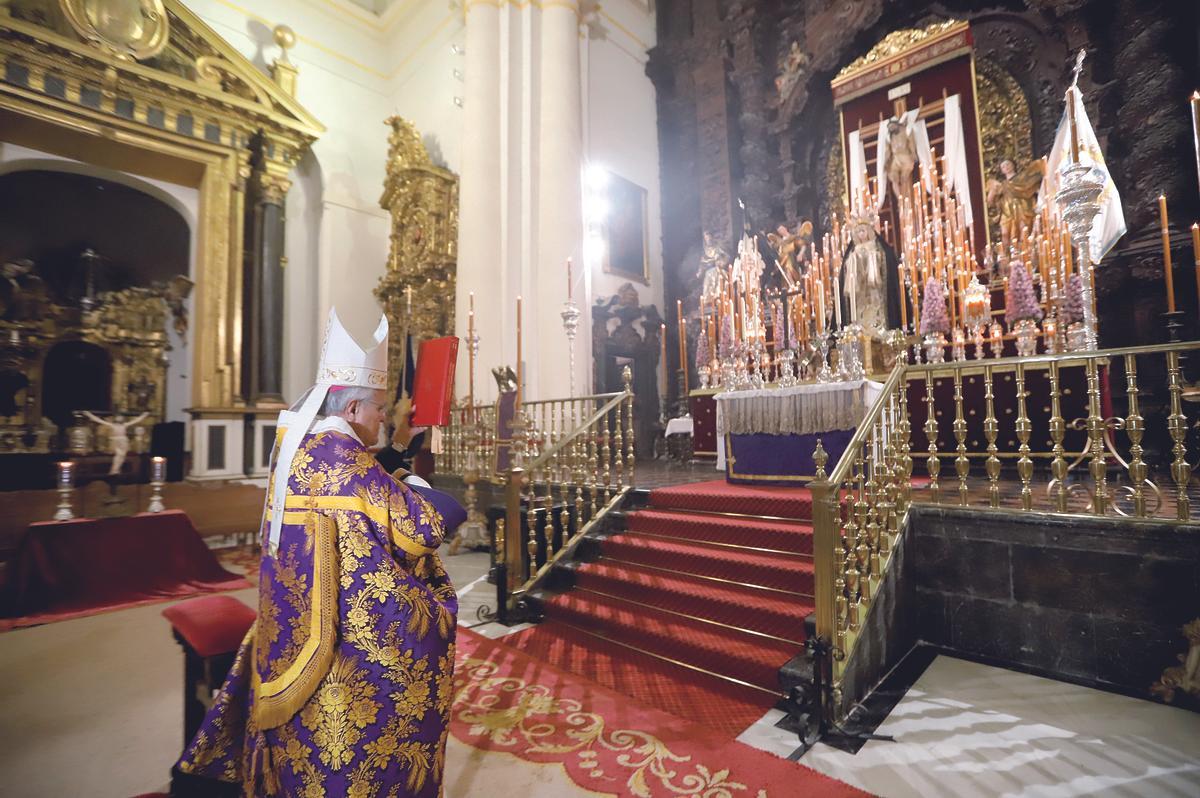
column 626, row 251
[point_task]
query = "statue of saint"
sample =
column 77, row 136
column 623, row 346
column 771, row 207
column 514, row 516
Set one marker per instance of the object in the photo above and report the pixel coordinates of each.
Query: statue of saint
column 714, row 261
column 870, row 280
column 118, row 437
column 1016, row 196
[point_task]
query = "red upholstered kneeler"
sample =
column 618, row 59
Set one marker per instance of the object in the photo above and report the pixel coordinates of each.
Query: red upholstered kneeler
column 210, row 629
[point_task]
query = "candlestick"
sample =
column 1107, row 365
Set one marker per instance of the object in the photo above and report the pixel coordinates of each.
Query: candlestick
column 1166, row 245
column 65, row 484
column 158, row 467
column 570, row 317
column 683, row 364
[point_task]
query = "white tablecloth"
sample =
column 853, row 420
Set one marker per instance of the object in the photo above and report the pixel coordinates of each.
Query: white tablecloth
column 680, row 426
column 800, row 410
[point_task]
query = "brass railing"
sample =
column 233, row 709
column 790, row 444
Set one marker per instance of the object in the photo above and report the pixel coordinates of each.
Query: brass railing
column 569, row 463
column 1107, row 470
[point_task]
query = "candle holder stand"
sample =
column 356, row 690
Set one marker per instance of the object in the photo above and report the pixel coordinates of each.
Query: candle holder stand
column 63, row 512
column 824, row 373
column 1079, row 199
column 570, row 318
column 156, row 498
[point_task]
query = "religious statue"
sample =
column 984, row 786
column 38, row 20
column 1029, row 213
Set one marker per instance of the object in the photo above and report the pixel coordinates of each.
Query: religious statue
column 175, row 293
column 23, row 295
column 901, row 158
column 506, row 379
column 713, row 264
column 1016, row 194
column 792, row 67
column 789, row 249
column 118, row 437
column 870, row 279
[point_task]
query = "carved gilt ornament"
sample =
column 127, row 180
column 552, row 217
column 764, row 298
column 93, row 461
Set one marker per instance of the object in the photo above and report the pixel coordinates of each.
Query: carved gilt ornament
column 136, row 29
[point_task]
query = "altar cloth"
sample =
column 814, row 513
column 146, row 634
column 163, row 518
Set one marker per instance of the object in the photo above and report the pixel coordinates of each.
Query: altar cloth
column 768, row 435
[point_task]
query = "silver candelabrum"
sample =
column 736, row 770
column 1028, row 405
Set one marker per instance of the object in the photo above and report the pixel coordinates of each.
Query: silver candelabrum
column 1079, row 199
column 570, row 317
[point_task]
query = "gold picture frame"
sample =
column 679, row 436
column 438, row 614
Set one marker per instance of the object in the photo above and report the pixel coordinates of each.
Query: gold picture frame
column 626, row 231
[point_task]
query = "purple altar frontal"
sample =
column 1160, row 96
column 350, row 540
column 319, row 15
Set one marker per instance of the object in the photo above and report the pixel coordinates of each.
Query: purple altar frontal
column 763, row 459
column 768, row 436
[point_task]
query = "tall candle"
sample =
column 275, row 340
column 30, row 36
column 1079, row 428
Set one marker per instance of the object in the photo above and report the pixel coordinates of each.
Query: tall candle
column 158, row 467
column 662, row 356
column 568, row 279
column 903, row 303
column 1195, row 103
column 520, row 367
column 683, row 364
column 1196, row 256
column 408, row 302
column 1166, row 245
column 65, row 467
column 837, row 302
column 471, row 355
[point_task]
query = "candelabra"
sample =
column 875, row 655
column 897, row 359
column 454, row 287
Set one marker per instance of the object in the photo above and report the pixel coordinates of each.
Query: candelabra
column 570, row 317
column 1079, row 199
column 784, row 366
column 158, row 468
column 824, row 373
column 65, row 483
column 850, row 365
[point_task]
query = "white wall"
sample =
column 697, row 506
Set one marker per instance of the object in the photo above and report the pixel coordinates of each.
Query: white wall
column 186, row 201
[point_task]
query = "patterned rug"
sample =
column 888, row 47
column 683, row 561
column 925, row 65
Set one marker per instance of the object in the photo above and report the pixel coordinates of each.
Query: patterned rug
column 507, row 701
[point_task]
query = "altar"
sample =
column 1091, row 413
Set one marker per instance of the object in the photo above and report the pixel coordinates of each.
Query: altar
column 768, row 436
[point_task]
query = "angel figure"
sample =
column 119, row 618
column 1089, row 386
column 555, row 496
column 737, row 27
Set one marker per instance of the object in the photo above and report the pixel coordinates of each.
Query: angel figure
column 118, row 437
column 789, row 249
column 1016, row 195
column 713, row 263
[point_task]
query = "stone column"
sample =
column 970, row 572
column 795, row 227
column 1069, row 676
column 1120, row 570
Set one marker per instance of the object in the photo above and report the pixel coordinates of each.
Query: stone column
column 479, row 199
column 265, row 297
column 559, row 200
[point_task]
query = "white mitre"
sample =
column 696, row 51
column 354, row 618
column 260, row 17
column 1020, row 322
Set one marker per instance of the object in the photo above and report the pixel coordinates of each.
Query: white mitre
column 343, row 363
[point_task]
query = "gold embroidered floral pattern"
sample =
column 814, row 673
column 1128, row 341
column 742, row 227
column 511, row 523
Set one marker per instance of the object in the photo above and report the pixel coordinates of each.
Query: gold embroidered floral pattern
column 338, row 712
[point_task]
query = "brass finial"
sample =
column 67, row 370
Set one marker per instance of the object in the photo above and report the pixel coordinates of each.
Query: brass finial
column 285, row 37
column 820, row 458
column 627, row 377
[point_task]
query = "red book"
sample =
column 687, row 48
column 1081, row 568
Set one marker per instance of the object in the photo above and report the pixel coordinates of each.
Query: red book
column 433, row 383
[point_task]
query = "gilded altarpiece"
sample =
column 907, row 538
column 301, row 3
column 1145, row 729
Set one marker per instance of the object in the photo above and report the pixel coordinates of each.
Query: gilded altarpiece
column 151, row 90
column 418, row 290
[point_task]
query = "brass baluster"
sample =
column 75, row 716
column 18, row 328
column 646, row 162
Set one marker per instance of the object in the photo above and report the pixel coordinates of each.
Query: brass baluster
column 1096, row 429
column 579, row 459
column 961, row 464
column 1023, row 427
column 630, row 434
column 1135, row 428
column 990, row 430
column 1058, row 431
column 564, row 474
column 617, row 435
column 1177, row 427
column 874, row 488
column 933, row 464
column 905, row 447
column 885, row 478
column 610, row 435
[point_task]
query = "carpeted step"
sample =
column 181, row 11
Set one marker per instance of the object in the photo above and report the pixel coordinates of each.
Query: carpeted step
column 720, row 705
column 729, row 652
column 759, row 610
column 789, row 536
column 778, row 571
column 718, row 496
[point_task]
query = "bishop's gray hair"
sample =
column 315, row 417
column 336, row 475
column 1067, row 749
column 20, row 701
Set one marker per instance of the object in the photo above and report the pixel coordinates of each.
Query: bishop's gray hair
column 336, row 401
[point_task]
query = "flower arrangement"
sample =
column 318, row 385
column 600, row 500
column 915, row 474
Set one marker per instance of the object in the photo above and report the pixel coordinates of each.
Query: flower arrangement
column 934, row 315
column 1022, row 302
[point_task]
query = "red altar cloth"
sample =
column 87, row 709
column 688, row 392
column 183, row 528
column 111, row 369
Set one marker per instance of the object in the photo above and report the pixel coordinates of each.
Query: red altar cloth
column 70, row 569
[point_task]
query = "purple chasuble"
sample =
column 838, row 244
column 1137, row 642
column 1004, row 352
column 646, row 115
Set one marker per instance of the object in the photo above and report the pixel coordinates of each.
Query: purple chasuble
column 343, row 685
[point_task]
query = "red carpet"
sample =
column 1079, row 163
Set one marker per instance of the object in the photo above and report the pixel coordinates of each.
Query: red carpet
column 695, row 589
column 507, row 701
column 73, row 569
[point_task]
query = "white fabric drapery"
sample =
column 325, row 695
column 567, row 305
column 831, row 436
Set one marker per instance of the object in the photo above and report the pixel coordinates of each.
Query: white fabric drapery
column 956, row 154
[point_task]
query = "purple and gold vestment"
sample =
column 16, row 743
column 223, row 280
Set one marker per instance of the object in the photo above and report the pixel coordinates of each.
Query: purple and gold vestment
column 343, row 685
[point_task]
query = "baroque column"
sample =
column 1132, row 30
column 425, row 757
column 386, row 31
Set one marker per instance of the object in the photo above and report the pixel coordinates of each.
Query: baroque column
column 559, row 199
column 479, row 194
column 264, row 294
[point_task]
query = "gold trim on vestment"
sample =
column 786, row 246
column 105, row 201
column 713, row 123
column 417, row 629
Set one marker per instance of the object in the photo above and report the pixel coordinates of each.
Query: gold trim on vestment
column 278, row 700
column 296, row 510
